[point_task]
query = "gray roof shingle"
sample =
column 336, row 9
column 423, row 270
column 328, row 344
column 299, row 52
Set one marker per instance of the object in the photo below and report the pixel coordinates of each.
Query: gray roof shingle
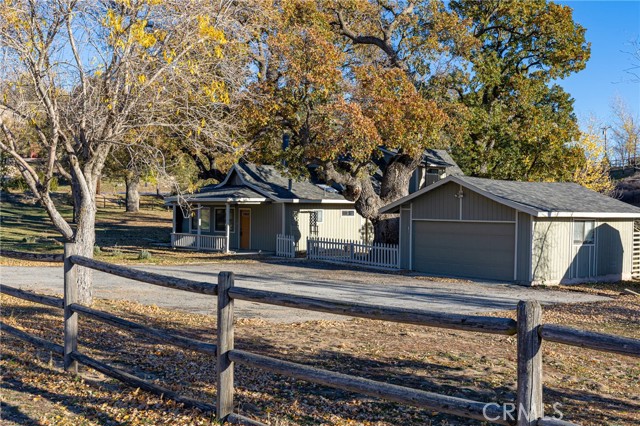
column 272, row 181
column 552, row 196
column 441, row 158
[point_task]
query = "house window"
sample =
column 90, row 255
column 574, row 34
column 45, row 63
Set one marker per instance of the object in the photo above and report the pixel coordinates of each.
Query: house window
column 319, row 215
column 205, row 219
column 220, row 219
column 348, row 213
column 583, row 231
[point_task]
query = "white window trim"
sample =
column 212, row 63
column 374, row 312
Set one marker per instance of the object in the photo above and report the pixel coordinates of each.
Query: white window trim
column 350, row 216
column 321, row 215
column 201, row 227
column 232, row 215
column 593, row 241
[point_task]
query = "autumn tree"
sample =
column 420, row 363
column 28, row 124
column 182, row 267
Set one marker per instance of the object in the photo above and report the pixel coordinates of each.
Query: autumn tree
column 520, row 121
column 81, row 74
column 593, row 171
column 343, row 79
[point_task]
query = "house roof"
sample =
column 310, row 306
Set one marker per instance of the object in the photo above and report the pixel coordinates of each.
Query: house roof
column 260, row 183
column 541, row 199
column 435, row 158
column 271, row 182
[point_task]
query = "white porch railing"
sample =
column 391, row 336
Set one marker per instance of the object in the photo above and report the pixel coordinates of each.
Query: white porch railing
column 199, row 242
column 285, row 246
column 386, row 256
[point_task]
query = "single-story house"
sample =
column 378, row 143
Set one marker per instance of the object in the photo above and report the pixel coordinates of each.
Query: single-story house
column 254, row 204
column 527, row 232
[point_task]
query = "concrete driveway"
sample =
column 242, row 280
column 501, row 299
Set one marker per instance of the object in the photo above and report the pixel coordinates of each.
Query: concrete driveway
column 303, row 278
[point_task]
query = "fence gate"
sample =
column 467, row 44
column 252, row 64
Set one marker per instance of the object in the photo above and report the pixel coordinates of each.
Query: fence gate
column 285, row 246
column 635, row 266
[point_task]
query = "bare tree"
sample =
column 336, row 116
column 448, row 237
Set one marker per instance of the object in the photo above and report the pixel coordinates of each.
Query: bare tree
column 78, row 75
column 626, row 133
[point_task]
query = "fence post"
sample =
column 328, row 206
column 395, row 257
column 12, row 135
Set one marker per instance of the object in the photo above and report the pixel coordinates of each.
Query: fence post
column 70, row 317
column 224, row 367
column 529, row 398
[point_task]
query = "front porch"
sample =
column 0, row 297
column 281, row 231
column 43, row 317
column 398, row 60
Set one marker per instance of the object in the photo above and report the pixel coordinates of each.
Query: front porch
column 200, row 242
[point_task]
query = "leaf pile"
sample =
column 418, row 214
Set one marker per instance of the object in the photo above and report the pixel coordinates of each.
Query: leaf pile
column 594, row 388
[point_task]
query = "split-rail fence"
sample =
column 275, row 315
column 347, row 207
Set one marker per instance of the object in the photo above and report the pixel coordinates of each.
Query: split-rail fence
column 528, row 329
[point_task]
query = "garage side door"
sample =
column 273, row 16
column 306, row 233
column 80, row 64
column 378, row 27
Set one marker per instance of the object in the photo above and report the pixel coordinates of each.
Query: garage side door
column 473, row 250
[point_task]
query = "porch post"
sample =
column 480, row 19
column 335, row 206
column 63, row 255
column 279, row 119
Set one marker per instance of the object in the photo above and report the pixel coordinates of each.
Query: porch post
column 175, row 219
column 198, row 221
column 227, row 227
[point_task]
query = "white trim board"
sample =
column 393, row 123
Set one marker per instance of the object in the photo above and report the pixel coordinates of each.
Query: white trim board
column 515, row 205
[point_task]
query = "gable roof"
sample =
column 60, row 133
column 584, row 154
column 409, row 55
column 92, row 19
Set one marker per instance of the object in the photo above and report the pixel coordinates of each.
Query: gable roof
column 259, row 183
column 540, row 199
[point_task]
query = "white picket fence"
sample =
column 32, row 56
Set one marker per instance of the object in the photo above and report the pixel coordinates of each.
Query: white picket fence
column 285, row 246
column 385, row 256
column 202, row 242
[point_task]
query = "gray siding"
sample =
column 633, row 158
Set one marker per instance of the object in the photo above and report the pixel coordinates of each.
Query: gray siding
column 266, row 220
column 554, row 253
column 523, row 257
column 614, row 247
column 405, row 238
column 333, row 225
column 439, row 203
column 551, row 260
column 479, row 207
column 442, row 203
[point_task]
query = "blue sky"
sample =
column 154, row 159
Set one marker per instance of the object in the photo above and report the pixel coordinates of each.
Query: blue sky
column 611, row 26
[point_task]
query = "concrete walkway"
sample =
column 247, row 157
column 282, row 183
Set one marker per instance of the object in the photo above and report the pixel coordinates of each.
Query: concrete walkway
column 303, row 278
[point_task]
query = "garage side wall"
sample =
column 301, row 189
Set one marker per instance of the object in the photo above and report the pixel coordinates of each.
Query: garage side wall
column 551, row 259
column 553, row 251
column 614, row 244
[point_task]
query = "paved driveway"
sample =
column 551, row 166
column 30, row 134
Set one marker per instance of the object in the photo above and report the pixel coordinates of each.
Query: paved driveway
column 303, row 278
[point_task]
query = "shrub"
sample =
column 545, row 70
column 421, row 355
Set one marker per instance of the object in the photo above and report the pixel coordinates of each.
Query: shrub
column 144, row 254
column 97, row 250
column 116, row 251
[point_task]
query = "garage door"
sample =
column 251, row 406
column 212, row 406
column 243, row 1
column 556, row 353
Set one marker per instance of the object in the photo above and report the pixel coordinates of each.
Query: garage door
column 473, row 250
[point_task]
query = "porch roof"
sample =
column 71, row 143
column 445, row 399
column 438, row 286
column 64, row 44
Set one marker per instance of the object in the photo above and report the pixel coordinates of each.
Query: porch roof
column 226, row 194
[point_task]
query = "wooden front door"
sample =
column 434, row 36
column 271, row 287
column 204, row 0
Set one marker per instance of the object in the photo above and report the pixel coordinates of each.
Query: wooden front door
column 245, row 228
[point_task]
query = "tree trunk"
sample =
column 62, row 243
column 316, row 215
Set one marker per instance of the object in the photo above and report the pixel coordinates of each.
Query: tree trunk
column 85, row 235
column 368, row 201
column 133, row 196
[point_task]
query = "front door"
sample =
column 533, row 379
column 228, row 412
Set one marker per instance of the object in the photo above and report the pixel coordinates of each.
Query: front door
column 245, row 228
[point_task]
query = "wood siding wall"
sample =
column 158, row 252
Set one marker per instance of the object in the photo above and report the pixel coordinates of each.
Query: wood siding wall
column 334, row 225
column 442, row 203
column 553, row 250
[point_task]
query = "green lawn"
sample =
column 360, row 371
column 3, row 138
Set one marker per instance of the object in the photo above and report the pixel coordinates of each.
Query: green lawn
column 121, row 236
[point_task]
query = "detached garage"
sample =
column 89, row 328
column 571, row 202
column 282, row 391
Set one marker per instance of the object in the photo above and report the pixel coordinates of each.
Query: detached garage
column 527, row 232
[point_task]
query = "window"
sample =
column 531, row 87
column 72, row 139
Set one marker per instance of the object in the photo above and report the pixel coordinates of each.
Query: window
column 583, row 231
column 220, row 219
column 205, row 219
column 348, row 213
column 319, row 215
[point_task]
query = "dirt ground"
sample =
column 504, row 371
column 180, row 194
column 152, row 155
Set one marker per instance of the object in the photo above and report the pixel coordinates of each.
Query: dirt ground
column 593, row 388
column 304, row 278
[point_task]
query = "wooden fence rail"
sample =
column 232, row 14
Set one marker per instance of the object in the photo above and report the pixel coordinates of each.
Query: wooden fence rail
column 528, row 328
column 35, row 257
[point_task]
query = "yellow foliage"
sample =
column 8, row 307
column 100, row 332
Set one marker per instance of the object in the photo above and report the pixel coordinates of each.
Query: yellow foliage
column 140, row 36
column 142, row 78
column 208, row 31
column 594, row 173
column 217, row 92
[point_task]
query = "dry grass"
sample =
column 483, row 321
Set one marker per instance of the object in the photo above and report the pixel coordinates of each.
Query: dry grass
column 121, row 236
column 594, row 388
